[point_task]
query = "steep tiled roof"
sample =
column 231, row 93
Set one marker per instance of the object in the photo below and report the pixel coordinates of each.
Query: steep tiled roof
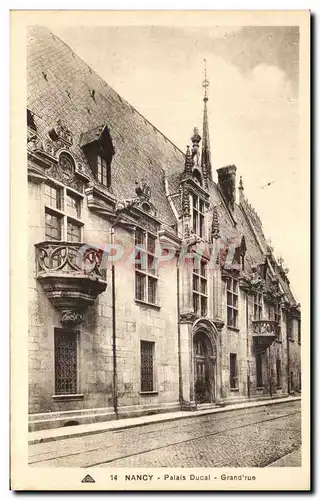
column 60, row 86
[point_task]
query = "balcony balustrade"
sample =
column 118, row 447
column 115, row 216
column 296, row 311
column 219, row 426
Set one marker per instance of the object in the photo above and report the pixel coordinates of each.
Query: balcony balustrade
column 72, row 275
column 265, row 331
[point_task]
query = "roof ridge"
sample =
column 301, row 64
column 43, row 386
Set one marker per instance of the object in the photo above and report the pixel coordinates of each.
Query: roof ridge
column 92, row 71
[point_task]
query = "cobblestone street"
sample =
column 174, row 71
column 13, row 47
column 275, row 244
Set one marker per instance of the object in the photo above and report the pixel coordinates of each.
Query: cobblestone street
column 254, row 437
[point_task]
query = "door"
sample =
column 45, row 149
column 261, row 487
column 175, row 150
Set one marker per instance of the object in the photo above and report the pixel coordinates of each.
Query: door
column 203, row 370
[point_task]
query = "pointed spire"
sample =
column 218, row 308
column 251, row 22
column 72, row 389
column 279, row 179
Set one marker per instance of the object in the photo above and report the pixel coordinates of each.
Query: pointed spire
column 206, row 156
column 241, row 189
column 188, row 163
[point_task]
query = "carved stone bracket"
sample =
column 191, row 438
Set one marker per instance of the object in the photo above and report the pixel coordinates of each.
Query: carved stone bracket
column 219, row 324
column 188, row 317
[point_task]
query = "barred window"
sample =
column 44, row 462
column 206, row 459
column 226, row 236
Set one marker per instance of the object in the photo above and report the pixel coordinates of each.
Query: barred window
column 259, row 370
column 200, row 292
column 146, row 267
column 233, row 371
column 62, row 213
column 257, row 306
column 147, row 366
column 198, row 215
column 278, row 369
column 232, row 302
column 65, row 361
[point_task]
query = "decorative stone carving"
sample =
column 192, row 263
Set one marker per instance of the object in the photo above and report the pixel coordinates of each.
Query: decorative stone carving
column 60, row 132
column 141, row 201
column 188, row 163
column 66, row 167
column 219, row 324
column 72, row 276
column 190, row 237
column 215, row 229
column 143, row 190
column 195, row 153
column 70, row 317
column 265, row 332
column 273, row 293
column 188, row 317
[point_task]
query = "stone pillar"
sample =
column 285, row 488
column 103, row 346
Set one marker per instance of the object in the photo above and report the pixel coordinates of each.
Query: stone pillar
column 186, row 322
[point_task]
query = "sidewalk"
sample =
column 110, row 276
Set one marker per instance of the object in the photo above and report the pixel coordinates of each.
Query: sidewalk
column 47, row 435
column 293, row 459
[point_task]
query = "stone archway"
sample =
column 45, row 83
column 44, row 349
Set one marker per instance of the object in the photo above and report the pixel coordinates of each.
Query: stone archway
column 204, row 365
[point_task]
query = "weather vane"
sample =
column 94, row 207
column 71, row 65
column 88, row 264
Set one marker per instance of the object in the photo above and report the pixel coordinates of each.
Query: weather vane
column 205, row 83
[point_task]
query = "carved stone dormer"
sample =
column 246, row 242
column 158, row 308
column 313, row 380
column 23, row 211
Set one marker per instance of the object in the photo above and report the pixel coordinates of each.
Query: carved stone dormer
column 97, row 145
column 140, row 207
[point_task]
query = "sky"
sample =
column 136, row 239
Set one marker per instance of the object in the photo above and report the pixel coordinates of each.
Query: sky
column 253, row 106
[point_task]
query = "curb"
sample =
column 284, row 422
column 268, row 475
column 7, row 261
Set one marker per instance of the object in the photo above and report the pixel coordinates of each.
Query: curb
column 193, row 414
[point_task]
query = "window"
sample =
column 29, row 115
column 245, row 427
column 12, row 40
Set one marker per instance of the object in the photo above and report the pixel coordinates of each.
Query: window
column 65, row 361
column 278, row 367
column 103, row 171
column 257, row 306
column 259, row 370
column 299, row 331
column 147, row 368
column 233, row 371
column 62, row 213
column 146, row 267
column 232, row 302
column 200, row 293
column 198, row 216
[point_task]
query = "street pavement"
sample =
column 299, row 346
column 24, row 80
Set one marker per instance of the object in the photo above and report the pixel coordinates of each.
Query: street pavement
column 253, row 437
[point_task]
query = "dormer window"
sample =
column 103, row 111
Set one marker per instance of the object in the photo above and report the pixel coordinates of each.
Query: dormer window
column 98, row 148
column 196, row 175
column 197, row 216
column 103, row 172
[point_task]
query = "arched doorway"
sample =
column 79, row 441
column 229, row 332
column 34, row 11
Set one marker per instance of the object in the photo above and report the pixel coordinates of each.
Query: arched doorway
column 204, row 368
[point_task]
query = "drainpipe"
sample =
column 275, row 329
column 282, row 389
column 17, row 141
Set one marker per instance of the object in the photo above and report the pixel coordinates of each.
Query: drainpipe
column 179, row 334
column 270, row 381
column 114, row 337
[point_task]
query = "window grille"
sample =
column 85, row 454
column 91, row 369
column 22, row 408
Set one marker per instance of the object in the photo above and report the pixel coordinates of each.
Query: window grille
column 259, row 370
column 65, row 354
column 147, row 350
column 278, row 367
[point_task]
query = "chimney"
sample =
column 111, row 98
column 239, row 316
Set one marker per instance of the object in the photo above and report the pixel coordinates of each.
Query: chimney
column 227, row 184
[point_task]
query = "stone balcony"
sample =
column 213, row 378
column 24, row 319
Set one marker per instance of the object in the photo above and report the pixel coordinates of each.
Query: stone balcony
column 72, row 275
column 265, row 331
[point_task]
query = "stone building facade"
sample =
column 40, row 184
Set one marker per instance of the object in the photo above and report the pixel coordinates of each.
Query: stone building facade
column 151, row 284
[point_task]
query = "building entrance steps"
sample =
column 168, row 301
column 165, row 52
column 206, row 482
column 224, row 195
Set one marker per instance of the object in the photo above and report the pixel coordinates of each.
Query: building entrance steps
column 47, row 435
